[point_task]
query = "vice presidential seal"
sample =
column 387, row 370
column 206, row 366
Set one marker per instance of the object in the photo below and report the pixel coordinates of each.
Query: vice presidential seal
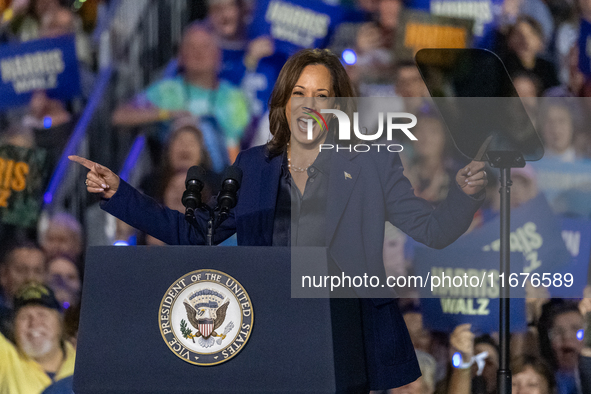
column 206, row 317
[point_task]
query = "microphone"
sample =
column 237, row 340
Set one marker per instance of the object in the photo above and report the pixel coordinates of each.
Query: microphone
column 227, row 198
column 192, row 195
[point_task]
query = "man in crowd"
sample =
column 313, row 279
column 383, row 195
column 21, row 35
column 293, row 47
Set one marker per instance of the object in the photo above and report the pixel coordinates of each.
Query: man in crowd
column 196, row 90
column 410, row 86
column 62, row 237
column 40, row 356
column 22, row 263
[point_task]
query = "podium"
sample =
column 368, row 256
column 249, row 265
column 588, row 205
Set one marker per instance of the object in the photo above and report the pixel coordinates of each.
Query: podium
column 294, row 345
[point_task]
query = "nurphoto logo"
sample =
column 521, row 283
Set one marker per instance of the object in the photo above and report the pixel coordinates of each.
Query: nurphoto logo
column 393, row 122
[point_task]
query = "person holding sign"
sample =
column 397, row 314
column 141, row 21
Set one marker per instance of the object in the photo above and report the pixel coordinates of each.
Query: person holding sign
column 359, row 192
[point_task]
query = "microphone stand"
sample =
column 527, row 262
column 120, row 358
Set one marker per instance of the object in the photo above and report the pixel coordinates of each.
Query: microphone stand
column 190, row 217
column 214, row 221
column 209, row 224
column 226, row 200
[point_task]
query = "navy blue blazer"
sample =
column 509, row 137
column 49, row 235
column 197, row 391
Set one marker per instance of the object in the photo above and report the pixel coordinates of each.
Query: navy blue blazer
column 364, row 191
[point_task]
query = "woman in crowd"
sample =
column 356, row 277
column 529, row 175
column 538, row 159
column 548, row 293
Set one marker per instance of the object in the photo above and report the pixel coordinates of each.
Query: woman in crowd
column 558, row 328
column 429, row 171
column 525, row 40
column 184, row 148
column 531, row 376
column 63, row 277
column 558, row 129
column 358, row 191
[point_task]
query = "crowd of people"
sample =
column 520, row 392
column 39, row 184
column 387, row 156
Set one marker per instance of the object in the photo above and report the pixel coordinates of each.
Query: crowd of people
column 215, row 104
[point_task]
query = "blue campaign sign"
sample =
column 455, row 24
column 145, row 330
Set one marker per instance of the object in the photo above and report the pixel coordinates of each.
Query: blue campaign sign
column 47, row 64
column 296, row 24
column 535, row 232
column 484, row 13
column 437, row 316
column 258, row 85
column 537, row 247
column 476, row 300
column 585, row 47
column 567, row 186
column 233, row 67
column 576, row 234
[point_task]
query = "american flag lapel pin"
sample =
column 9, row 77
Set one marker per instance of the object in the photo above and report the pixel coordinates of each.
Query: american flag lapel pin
column 348, row 176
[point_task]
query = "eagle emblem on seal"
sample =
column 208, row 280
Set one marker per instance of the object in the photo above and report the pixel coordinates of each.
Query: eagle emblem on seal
column 206, row 312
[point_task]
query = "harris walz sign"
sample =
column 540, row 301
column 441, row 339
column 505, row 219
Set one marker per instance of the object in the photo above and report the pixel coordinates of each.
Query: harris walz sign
column 22, row 181
column 48, row 64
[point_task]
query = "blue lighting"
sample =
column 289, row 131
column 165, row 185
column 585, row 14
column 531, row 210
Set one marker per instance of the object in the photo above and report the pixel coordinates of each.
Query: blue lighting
column 456, row 360
column 121, row 243
column 133, row 157
column 47, row 122
column 47, row 198
column 349, row 57
column 78, row 134
column 580, row 334
column 66, row 304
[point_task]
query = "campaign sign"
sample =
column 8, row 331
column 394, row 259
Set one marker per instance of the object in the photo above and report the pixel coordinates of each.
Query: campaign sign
column 48, row 64
column 535, row 232
column 536, row 235
column 567, row 186
column 442, row 314
column 585, row 47
column 295, row 25
column 484, row 13
column 478, row 302
column 420, row 30
column 576, row 234
column 22, row 182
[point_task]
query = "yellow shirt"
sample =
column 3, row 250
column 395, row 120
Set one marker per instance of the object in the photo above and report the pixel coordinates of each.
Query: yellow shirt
column 22, row 375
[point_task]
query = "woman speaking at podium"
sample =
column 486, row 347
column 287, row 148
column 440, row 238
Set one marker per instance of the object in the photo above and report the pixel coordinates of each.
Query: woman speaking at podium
column 293, row 195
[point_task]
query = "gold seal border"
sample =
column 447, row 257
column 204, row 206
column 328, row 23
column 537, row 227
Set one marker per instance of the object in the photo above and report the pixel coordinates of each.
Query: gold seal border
column 191, row 352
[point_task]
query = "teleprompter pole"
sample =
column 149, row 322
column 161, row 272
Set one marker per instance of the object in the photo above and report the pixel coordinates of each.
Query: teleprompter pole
column 504, row 372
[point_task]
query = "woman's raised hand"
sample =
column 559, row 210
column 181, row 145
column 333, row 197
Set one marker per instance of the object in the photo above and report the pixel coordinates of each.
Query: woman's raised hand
column 99, row 179
column 462, row 340
column 472, row 178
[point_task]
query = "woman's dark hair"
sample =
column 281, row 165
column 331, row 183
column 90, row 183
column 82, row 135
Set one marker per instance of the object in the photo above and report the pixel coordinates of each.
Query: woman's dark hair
column 487, row 340
column 184, row 125
column 447, row 143
column 157, row 184
column 534, row 24
column 289, row 75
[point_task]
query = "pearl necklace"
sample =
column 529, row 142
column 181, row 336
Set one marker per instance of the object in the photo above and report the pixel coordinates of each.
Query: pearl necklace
column 292, row 167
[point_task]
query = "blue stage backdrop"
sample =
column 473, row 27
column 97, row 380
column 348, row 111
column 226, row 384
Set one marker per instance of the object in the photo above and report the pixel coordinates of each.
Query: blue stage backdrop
column 48, row 64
